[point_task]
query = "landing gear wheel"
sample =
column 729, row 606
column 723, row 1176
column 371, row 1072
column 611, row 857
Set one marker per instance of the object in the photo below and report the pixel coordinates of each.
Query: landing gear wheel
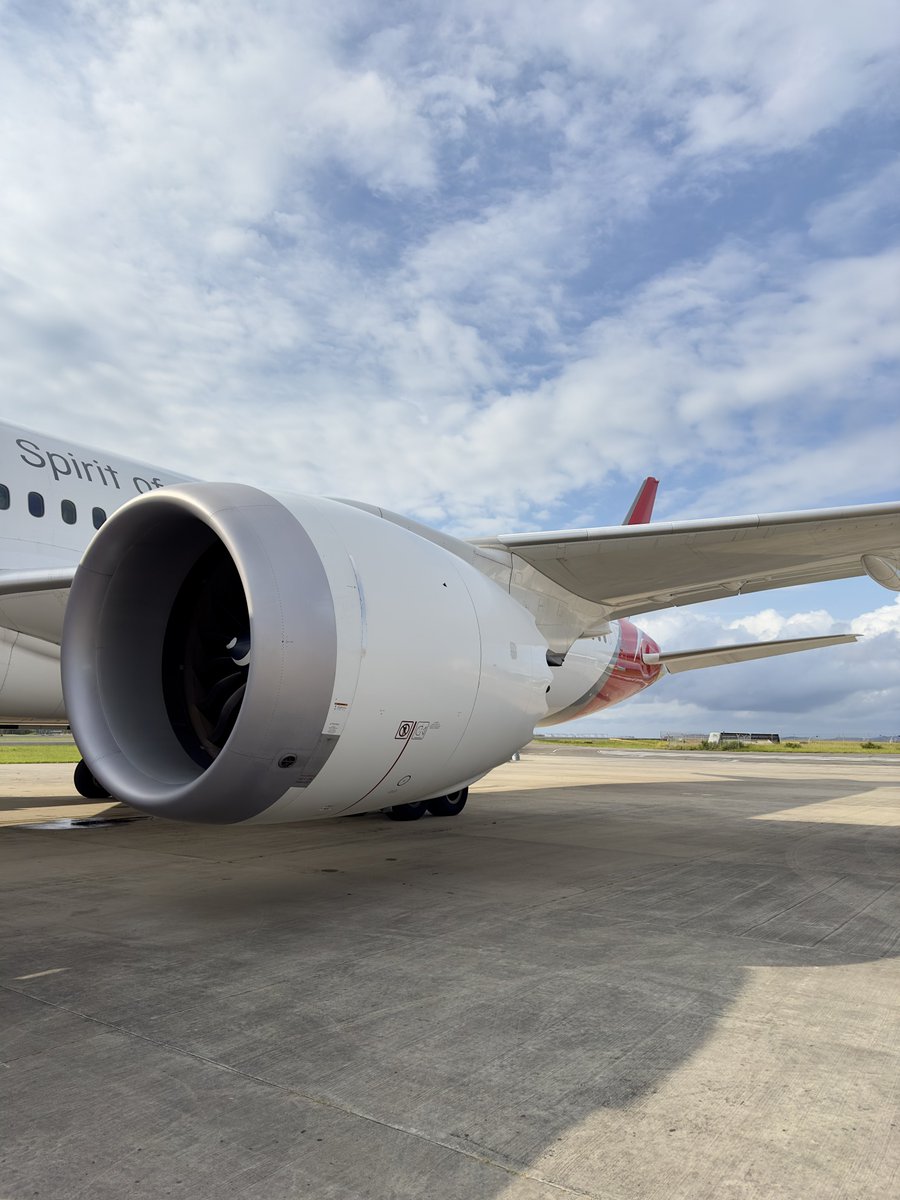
column 86, row 785
column 408, row 812
column 448, row 806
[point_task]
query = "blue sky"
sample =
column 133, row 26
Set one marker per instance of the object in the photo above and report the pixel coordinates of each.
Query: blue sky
column 488, row 265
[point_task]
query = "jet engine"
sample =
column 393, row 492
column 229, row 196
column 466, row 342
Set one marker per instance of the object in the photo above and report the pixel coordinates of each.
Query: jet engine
column 229, row 655
column 601, row 671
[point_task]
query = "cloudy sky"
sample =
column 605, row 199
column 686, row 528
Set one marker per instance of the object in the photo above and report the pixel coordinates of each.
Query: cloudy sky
column 485, row 263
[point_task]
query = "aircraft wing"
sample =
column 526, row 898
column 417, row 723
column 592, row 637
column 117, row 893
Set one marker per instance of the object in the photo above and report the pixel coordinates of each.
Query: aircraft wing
column 633, row 569
column 17, row 583
column 33, row 601
column 676, row 661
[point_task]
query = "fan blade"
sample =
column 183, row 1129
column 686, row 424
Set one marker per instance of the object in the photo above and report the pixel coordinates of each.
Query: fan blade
column 212, row 704
column 228, row 716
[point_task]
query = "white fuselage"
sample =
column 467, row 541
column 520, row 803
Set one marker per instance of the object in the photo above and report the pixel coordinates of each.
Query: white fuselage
column 54, row 494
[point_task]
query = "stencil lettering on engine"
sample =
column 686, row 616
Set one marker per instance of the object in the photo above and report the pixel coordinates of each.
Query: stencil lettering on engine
column 414, row 730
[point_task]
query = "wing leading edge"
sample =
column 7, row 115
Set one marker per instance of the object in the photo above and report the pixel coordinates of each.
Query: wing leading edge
column 631, row 569
column 18, row 583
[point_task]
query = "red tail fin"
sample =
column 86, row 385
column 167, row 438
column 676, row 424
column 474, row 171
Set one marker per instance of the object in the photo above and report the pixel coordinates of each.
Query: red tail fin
column 642, row 507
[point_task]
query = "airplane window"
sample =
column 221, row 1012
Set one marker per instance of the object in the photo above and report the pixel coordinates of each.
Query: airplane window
column 4, row 496
column 99, row 517
column 36, row 504
column 69, row 514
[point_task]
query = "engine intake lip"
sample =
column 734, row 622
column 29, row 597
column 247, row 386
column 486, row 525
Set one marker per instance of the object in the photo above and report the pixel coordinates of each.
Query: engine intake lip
column 115, row 653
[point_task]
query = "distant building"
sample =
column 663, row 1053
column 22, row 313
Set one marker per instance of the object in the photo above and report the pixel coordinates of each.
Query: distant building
column 715, row 739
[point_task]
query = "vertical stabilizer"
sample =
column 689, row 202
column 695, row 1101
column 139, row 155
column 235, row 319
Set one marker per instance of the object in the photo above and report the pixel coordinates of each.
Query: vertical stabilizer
column 642, row 506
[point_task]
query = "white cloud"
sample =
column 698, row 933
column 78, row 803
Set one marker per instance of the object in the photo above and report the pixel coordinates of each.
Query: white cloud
column 849, row 465
column 748, row 78
column 769, row 624
column 881, row 621
column 327, row 245
column 854, row 215
column 484, row 263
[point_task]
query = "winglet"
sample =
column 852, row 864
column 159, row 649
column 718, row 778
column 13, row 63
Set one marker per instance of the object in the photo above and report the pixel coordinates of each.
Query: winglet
column 642, row 506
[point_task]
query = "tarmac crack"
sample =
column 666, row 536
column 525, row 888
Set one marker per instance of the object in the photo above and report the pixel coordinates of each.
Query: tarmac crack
column 484, row 1159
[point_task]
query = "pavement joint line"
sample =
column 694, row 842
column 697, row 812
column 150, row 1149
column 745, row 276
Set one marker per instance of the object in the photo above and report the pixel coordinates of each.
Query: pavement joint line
column 724, row 902
column 321, row 1101
column 803, row 900
column 895, row 941
column 825, row 936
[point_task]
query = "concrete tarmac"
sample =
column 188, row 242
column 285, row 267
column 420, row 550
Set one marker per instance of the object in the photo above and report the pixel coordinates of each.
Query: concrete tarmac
column 616, row 976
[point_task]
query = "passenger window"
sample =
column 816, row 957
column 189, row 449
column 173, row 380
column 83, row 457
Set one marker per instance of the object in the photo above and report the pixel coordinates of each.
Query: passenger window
column 4, row 496
column 69, row 514
column 36, row 504
column 99, row 516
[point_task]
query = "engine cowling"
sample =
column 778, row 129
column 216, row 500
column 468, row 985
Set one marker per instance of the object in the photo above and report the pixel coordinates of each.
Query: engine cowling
column 601, row 671
column 229, row 655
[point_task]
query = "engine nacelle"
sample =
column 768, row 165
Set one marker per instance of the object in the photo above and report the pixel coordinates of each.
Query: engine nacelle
column 601, row 671
column 229, row 655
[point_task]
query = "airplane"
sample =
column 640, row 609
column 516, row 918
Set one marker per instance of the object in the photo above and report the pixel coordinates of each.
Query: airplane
column 224, row 654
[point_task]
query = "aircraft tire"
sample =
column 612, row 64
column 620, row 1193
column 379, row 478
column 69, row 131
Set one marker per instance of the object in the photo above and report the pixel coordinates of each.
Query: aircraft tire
column 86, row 785
column 408, row 812
column 448, row 806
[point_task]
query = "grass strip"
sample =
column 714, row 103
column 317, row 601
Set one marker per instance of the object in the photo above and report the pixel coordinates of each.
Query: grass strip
column 817, row 747
column 67, row 753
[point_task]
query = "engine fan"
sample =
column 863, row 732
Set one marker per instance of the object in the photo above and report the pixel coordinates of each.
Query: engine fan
column 206, row 655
